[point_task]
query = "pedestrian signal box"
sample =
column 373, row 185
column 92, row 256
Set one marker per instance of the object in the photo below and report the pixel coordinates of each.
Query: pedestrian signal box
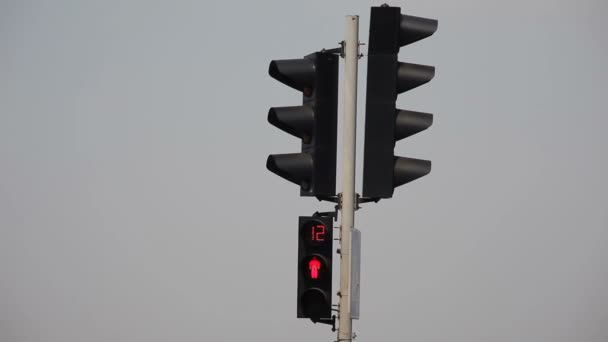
column 315, row 249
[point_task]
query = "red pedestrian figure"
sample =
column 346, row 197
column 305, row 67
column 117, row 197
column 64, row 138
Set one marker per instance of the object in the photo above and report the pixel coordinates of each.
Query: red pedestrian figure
column 314, row 265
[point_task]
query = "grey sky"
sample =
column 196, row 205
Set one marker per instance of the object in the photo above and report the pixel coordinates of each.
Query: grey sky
column 135, row 204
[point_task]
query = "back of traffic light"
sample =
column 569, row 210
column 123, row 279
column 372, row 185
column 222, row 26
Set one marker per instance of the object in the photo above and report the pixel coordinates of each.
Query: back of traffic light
column 314, row 122
column 386, row 79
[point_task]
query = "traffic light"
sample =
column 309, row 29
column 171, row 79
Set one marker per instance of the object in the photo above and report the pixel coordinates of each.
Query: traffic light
column 315, row 243
column 387, row 78
column 315, row 122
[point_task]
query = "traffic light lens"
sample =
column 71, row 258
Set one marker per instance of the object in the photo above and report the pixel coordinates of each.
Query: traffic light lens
column 314, row 266
column 307, row 91
column 314, row 303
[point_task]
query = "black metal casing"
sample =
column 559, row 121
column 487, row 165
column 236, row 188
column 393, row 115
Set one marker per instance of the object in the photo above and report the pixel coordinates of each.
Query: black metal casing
column 386, row 79
column 314, row 295
column 315, row 122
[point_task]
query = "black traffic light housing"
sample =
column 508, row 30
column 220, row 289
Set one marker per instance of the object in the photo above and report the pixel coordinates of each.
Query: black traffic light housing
column 315, row 251
column 387, row 78
column 315, row 122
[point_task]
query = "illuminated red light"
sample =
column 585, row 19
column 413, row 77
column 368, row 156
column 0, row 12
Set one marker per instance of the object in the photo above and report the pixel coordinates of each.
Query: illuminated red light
column 307, row 91
column 314, row 265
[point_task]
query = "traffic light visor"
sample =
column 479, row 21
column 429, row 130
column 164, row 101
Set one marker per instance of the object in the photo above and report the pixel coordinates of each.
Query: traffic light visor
column 295, row 120
column 295, row 167
column 413, row 29
column 296, row 73
column 409, row 169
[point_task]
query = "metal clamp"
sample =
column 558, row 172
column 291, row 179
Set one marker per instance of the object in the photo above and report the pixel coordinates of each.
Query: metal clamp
column 331, row 321
column 339, row 50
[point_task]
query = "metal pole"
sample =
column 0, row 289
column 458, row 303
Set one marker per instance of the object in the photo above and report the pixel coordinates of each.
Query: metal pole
column 351, row 59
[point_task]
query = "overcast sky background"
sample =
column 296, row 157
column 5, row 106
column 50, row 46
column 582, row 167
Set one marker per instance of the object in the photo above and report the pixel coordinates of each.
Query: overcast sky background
column 135, row 204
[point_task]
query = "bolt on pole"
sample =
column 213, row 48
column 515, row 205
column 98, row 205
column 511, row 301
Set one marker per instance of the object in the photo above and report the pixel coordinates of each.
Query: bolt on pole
column 351, row 60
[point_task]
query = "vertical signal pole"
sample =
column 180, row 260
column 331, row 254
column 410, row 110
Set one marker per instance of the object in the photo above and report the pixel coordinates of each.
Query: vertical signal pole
column 347, row 205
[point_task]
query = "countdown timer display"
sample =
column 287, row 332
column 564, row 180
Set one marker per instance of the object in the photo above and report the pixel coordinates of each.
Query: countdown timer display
column 315, row 233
